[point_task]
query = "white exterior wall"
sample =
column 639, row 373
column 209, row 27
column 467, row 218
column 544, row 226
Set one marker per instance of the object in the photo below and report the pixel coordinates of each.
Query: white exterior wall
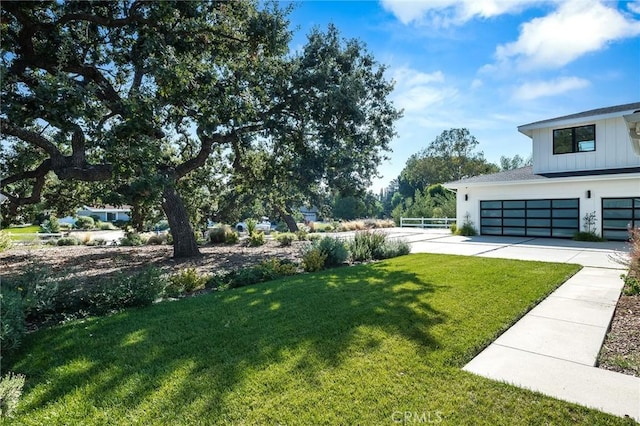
column 600, row 187
column 613, row 149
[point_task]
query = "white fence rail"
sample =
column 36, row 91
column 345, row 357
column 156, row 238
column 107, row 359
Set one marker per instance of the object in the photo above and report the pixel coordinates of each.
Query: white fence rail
column 38, row 235
column 427, row 222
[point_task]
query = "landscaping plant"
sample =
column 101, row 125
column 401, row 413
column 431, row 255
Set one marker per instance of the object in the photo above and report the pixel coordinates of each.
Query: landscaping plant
column 10, row 392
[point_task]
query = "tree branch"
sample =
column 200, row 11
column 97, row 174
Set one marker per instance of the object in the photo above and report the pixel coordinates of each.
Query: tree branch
column 30, row 137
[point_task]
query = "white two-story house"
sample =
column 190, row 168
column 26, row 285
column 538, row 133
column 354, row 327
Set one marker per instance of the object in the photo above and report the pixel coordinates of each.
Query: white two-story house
column 585, row 163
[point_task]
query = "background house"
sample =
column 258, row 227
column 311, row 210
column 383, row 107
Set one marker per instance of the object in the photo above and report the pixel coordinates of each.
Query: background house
column 585, row 163
column 105, row 213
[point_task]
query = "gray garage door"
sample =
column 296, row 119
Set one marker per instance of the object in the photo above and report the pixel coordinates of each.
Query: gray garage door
column 617, row 215
column 558, row 218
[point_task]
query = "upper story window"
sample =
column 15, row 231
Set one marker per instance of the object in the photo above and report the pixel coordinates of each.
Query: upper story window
column 574, row 139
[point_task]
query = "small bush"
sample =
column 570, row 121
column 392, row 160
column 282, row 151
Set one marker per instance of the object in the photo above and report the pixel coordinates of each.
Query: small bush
column 631, row 285
column 223, row 234
column 85, row 222
column 120, row 223
column 313, row 260
column 453, row 228
column 132, row 238
column 69, row 241
column 314, row 237
column 12, row 325
column 5, row 241
column 185, row 281
column 467, row 229
column 157, row 239
column 302, row 235
column 286, row 238
column 47, row 298
column 251, row 226
column 10, row 392
column 97, row 242
column 256, row 239
column 266, row 270
column 587, row 236
column 334, row 249
column 127, row 290
column 107, row 226
column 394, row 248
column 366, row 246
column 50, row 226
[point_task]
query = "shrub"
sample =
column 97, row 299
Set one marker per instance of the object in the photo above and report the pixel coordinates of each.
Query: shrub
column 157, row 239
column 107, row 226
column 467, row 228
column 223, row 234
column 314, row 237
column 302, row 235
column 69, row 241
column 632, row 279
column 127, row 290
column 5, row 241
column 587, row 236
column 50, row 226
column 85, row 222
column 394, row 248
column 185, row 281
column 366, row 246
column 132, row 238
column 12, row 326
column 97, row 242
column 120, row 223
column 313, row 260
column 286, row 238
column 334, row 249
column 251, row 226
column 453, row 228
column 256, row 239
column 266, row 270
column 48, row 298
column 10, row 392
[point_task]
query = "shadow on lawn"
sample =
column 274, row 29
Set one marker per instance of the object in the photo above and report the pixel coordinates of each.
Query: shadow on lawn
column 202, row 349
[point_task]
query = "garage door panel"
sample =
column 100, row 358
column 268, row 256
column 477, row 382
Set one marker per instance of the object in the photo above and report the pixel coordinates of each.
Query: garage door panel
column 534, row 218
column 617, row 215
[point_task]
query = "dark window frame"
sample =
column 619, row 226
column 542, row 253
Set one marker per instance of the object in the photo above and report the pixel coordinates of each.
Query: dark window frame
column 575, row 144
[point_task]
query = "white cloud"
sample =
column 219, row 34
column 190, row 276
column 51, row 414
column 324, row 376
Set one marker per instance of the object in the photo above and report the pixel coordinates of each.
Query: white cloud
column 576, row 28
column 558, row 86
column 416, row 91
column 634, row 6
column 447, row 12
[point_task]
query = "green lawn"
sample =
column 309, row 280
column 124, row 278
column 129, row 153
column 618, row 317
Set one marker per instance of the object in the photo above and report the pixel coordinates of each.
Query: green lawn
column 360, row 345
column 17, row 232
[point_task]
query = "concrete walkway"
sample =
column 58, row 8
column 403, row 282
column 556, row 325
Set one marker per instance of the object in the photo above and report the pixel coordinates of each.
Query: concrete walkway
column 553, row 349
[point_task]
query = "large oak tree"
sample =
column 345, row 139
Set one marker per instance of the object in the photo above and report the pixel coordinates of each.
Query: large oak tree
column 138, row 96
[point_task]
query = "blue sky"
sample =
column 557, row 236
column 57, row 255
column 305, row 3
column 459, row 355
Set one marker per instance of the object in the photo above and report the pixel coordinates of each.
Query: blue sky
column 489, row 65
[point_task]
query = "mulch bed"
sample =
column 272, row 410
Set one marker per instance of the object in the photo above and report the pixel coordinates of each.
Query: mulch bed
column 621, row 349
column 98, row 261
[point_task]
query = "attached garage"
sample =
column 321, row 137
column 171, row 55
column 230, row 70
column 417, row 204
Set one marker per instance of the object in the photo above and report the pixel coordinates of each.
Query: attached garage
column 558, row 218
column 618, row 214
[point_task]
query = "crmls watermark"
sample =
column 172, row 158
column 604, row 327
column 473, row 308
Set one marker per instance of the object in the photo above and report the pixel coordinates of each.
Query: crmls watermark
column 411, row 417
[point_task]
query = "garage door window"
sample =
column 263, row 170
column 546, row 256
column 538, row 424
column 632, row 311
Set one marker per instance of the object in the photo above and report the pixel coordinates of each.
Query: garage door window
column 618, row 214
column 534, row 218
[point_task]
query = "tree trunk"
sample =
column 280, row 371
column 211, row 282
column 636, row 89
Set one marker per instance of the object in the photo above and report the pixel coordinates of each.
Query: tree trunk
column 184, row 242
column 288, row 219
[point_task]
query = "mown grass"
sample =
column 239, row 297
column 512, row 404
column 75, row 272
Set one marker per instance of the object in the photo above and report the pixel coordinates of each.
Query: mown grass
column 357, row 345
column 18, row 232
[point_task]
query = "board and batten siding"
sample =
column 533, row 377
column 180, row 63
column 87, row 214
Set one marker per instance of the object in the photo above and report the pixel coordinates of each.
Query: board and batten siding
column 613, row 149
